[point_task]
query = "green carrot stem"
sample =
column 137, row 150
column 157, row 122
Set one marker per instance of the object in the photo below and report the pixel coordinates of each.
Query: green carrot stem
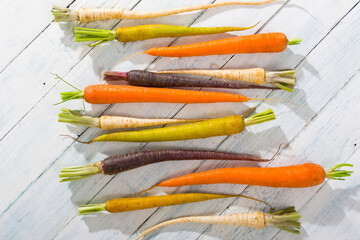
column 335, row 174
column 69, row 116
column 62, row 14
column 286, row 219
column 97, row 35
column 91, row 208
column 262, row 117
column 282, row 79
column 294, row 41
column 80, row 172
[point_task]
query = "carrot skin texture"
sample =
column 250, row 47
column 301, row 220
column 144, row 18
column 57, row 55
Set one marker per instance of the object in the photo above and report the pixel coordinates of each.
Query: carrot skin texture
column 105, row 94
column 296, row 176
column 131, row 204
column 143, row 32
column 121, row 163
column 258, row 43
column 209, row 128
column 151, row 79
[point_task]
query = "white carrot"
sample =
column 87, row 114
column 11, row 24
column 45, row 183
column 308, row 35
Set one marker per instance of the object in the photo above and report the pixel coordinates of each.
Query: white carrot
column 287, row 219
column 94, row 14
column 113, row 122
column 282, row 79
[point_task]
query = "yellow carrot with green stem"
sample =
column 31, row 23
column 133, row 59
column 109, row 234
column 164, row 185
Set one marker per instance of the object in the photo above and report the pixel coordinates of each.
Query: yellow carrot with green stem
column 144, row 32
column 204, row 129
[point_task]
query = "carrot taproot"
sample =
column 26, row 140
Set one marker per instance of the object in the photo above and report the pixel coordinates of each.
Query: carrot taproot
column 144, row 32
column 295, row 176
column 282, row 79
column 151, row 79
column 84, row 15
column 124, row 162
column 138, row 203
column 112, row 122
column 204, row 129
column 258, row 43
column 286, row 219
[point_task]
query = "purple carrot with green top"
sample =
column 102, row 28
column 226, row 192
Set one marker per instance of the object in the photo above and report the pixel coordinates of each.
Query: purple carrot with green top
column 124, row 162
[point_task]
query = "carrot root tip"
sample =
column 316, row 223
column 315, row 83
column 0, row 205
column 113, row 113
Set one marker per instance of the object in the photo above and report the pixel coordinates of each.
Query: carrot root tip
column 282, row 79
column 286, row 219
column 336, row 174
column 62, row 14
column 91, row 208
column 262, row 117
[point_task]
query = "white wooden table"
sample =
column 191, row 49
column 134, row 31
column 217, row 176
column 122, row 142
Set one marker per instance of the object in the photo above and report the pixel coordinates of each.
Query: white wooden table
column 323, row 127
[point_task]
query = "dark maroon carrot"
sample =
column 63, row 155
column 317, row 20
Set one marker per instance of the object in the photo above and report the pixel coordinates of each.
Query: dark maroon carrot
column 121, row 163
column 151, row 79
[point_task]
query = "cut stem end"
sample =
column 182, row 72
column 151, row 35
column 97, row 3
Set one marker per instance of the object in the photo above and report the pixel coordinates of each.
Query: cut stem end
column 62, row 14
column 294, row 41
column 91, row 208
column 262, row 117
column 99, row 36
column 115, row 76
column 282, row 79
column 75, row 117
column 80, row 172
column 335, row 174
column 286, row 219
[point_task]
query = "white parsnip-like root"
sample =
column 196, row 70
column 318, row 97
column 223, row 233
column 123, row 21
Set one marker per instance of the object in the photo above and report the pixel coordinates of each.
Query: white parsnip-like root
column 281, row 79
column 113, row 122
column 94, row 14
column 286, row 219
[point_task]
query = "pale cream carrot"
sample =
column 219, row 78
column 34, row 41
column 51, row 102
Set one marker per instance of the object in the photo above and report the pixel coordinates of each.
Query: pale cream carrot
column 287, row 219
column 282, row 79
column 113, row 122
column 83, row 15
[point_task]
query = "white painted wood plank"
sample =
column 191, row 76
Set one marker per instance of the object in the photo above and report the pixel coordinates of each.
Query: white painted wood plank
column 55, row 204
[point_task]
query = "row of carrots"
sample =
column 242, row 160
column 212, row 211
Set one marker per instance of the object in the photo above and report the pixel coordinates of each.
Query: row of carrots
column 158, row 86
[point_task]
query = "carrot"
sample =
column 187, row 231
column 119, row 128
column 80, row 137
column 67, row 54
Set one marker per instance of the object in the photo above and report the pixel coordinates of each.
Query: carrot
column 295, row 176
column 83, row 15
column 208, row 128
column 286, row 219
column 138, row 203
column 143, row 32
column 105, row 94
column 281, row 79
column 258, row 43
column 112, row 122
column 151, row 79
column 124, row 162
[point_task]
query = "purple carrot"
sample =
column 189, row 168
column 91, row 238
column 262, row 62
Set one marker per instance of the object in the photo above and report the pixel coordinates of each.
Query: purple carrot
column 121, row 163
column 151, row 79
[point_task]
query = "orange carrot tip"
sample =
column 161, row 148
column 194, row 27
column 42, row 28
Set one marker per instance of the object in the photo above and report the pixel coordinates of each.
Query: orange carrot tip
column 286, row 219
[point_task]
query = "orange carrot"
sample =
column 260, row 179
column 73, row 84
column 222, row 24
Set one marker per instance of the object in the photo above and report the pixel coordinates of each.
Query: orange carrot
column 104, row 94
column 258, row 43
column 295, row 176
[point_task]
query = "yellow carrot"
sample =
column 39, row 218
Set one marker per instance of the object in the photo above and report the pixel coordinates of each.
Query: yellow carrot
column 286, row 219
column 137, row 203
